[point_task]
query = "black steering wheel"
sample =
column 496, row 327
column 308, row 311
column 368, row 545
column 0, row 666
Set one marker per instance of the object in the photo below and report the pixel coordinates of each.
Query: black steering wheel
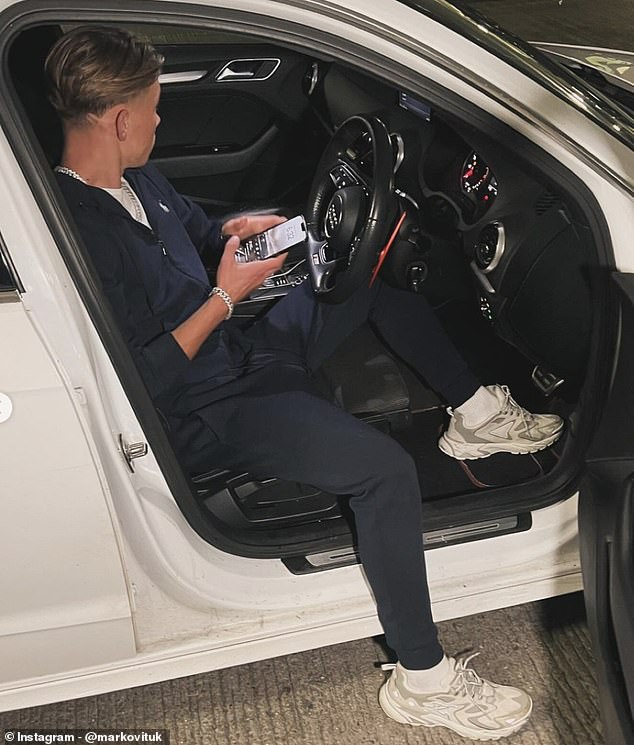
column 351, row 207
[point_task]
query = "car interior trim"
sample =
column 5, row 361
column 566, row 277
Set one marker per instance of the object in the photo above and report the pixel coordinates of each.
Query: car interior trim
column 186, row 76
column 251, row 70
column 482, row 278
column 216, row 163
column 499, row 246
column 457, row 535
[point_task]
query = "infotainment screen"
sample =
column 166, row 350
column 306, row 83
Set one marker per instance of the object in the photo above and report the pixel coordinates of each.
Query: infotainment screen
column 415, row 105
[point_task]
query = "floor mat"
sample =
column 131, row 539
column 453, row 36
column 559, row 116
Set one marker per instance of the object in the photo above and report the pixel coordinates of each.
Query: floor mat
column 441, row 475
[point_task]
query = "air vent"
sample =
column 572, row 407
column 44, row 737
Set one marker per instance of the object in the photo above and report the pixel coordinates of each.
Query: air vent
column 489, row 247
column 546, row 202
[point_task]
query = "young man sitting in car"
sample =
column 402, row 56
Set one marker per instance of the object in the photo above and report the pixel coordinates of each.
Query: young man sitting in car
column 244, row 398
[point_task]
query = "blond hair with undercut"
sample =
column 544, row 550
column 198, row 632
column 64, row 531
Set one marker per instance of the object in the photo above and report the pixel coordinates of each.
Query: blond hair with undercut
column 93, row 68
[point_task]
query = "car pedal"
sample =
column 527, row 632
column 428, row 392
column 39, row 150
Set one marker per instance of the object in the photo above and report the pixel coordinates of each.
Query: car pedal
column 545, row 381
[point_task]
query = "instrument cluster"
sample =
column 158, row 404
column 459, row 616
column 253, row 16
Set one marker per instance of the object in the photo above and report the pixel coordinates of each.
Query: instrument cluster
column 477, row 180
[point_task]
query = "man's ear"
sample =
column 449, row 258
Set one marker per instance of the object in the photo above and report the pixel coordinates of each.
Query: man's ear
column 122, row 124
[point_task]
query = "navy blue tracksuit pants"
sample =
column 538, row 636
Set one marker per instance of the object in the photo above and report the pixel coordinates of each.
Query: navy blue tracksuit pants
column 281, row 427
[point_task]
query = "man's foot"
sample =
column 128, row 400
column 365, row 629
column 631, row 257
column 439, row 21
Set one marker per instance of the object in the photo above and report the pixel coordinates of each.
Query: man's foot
column 469, row 705
column 511, row 430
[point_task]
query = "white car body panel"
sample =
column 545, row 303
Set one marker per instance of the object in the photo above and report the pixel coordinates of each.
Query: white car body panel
column 232, row 636
column 64, row 597
column 103, row 562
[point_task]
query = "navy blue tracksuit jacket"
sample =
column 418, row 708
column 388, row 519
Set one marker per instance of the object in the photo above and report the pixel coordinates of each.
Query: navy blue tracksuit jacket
column 154, row 280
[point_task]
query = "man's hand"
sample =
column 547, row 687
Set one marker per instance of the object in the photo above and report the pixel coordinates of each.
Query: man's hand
column 239, row 280
column 247, row 225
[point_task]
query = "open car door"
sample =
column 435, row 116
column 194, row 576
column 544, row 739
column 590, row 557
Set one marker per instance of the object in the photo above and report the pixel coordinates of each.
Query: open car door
column 64, row 600
column 606, row 526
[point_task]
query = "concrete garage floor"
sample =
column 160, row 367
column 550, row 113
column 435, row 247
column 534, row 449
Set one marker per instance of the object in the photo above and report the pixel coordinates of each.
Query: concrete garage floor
column 329, row 696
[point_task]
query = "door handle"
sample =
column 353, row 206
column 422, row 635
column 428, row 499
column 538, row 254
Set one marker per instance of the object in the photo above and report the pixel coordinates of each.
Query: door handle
column 248, row 69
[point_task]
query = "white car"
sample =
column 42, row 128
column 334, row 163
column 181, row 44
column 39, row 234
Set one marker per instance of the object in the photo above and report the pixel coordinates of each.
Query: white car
column 517, row 180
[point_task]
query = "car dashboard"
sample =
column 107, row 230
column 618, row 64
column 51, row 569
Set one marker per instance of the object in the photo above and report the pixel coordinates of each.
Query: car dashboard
column 483, row 221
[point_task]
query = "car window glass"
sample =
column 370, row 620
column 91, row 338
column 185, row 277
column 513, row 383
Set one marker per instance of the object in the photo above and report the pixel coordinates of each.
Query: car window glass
column 6, row 278
column 564, row 21
column 161, row 34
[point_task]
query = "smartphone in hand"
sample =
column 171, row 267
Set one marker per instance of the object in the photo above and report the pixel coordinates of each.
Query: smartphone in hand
column 273, row 241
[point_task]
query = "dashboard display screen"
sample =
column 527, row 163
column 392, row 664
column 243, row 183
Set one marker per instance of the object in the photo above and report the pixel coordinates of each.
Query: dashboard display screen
column 415, row 105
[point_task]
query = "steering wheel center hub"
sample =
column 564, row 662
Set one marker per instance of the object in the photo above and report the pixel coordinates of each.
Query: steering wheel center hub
column 344, row 218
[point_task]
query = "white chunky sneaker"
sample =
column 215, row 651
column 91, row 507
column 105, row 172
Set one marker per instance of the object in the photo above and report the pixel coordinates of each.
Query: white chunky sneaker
column 512, row 429
column 469, row 705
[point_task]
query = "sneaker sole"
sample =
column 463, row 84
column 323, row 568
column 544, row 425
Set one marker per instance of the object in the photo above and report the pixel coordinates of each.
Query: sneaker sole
column 460, row 451
column 398, row 715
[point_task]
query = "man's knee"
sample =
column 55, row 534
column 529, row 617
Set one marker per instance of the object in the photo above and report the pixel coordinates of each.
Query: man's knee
column 386, row 462
column 398, row 465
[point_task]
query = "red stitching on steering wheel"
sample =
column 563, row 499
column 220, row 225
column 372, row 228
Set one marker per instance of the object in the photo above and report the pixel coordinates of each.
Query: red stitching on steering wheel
column 386, row 249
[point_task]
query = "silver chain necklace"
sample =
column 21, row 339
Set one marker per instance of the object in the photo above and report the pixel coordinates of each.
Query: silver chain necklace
column 128, row 191
column 132, row 197
column 69, row 172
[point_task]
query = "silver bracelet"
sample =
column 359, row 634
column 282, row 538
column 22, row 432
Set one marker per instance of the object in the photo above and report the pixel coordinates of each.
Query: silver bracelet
column 224, row 296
